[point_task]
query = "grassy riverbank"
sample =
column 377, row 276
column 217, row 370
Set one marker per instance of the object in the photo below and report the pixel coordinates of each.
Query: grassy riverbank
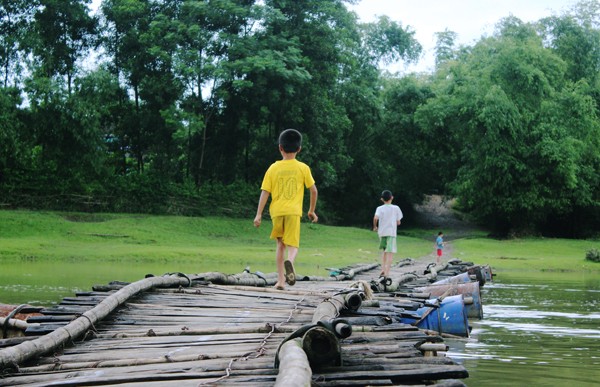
column 231, row 244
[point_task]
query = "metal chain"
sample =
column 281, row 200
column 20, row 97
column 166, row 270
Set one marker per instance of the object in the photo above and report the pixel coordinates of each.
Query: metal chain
column 261, row 349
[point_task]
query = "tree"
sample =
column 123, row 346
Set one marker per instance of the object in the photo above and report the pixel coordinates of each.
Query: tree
column 444, row 46
column 216, row 57
column 521, row 165
column 387, row 41
column 14, row 143
column 124, row 23
column 62, row 33
column 577, row 44
column 15, row 17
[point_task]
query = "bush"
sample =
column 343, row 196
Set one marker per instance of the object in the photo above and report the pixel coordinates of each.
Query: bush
column 593, row 255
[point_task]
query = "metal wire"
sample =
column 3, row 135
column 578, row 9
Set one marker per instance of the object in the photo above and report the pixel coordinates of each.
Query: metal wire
column 260, row 351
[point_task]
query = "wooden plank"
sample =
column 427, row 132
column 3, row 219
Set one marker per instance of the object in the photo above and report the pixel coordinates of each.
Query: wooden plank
column 401, row 373
column 29, row 349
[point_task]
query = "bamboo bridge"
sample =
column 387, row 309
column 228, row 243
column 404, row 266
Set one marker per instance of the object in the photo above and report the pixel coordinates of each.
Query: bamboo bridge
column 348, row 329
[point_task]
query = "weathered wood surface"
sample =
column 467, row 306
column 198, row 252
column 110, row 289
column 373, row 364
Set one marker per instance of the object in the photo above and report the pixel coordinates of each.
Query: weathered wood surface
column 210, row 334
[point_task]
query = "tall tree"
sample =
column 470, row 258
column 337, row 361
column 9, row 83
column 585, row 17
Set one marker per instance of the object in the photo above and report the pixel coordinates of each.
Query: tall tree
column 577, row 44
column 15, row 18
column 520, row 164
column 124, row 23
column 63, row 32
column 14, row 142
column 445, row 46
column 214, row 62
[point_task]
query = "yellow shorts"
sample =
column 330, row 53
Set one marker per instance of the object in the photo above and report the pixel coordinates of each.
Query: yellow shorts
column 287, row 228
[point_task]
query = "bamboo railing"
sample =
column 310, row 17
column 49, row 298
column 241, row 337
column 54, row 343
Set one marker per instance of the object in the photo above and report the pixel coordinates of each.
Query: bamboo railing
column 13, row 356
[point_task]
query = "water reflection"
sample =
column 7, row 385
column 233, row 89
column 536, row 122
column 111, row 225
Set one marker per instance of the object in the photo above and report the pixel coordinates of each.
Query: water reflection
column 538, row 332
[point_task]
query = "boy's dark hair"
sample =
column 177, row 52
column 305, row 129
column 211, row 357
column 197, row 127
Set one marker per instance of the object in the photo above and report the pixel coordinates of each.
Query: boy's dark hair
column 440, row 233
column 386, row 195
column 290, row 140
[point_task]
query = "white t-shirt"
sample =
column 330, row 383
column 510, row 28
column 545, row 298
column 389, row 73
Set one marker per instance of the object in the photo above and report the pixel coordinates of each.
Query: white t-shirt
column 388, row 215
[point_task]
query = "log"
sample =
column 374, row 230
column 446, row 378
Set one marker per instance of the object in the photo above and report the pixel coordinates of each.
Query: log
column 283, row 294
column 400, row 374
column 10, row 357
column 392, row 284
column 245, row 279
column 348, row 274
column 331, row 307
column 15, row 323
column 219, row 335
column 431, row 349
column 264, row 328
column 322, row 348
column 320, row 341
column 294, row 368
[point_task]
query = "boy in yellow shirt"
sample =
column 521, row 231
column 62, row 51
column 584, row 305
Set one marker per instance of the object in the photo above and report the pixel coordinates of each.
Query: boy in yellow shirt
column 285, row 181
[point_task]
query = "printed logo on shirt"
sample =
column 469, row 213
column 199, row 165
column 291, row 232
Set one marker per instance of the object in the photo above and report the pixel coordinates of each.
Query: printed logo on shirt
column 287, row 187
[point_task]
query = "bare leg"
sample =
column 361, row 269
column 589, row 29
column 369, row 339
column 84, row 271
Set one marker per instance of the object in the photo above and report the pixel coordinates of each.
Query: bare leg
column 292, row 252
column 279, row 257
column 387, row 263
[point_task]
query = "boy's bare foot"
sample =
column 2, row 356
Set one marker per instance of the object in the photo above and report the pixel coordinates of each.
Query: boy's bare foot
column 290, row 275
column 278, row 287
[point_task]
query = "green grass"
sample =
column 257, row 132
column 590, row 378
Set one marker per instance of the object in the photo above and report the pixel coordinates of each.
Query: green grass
column 75, row 237
column 529, row 254
column 68, row 237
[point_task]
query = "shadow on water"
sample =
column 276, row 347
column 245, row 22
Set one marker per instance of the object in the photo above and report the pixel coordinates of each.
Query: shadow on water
column 541, row 330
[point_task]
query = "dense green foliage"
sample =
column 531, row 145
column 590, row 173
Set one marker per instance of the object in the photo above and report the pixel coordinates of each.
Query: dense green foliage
column 174, row 107
column 593, row 255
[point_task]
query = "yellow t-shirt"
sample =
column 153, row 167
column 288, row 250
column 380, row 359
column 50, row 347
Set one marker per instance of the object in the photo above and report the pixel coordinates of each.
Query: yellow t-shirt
column 285, row 181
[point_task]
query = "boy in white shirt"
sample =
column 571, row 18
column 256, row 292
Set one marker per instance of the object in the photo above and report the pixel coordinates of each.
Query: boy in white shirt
column 385, row 222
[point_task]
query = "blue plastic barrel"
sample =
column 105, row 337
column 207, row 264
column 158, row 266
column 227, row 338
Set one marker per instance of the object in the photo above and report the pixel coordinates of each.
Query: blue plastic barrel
column 457, row 279
column 450, row 317
column 468, row 289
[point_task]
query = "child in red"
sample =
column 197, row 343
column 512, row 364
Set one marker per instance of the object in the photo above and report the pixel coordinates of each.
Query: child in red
column 439, row 241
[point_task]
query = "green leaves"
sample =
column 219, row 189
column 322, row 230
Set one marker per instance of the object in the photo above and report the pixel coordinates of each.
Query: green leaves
column 193, row 91
column 388, row 42
column 520, row 126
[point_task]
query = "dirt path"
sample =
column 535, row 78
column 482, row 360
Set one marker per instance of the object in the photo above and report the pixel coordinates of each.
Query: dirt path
column 437, row 212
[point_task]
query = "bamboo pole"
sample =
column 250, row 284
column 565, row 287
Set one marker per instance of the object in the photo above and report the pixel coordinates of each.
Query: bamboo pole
column 245, row 279
column 331, row 307
column 16, row 323
column 395, row 282
column 319, row 341
column 262, row 328
column 13, row 356
column 349, row 274
column 322, row 348
column 294, row 369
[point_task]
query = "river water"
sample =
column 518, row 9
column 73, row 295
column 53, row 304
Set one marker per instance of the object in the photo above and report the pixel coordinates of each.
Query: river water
column 539, row 329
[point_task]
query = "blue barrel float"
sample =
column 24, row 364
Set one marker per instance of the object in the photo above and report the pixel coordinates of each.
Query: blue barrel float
column 446, row 316
column 470, row 290
column 457, row 279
